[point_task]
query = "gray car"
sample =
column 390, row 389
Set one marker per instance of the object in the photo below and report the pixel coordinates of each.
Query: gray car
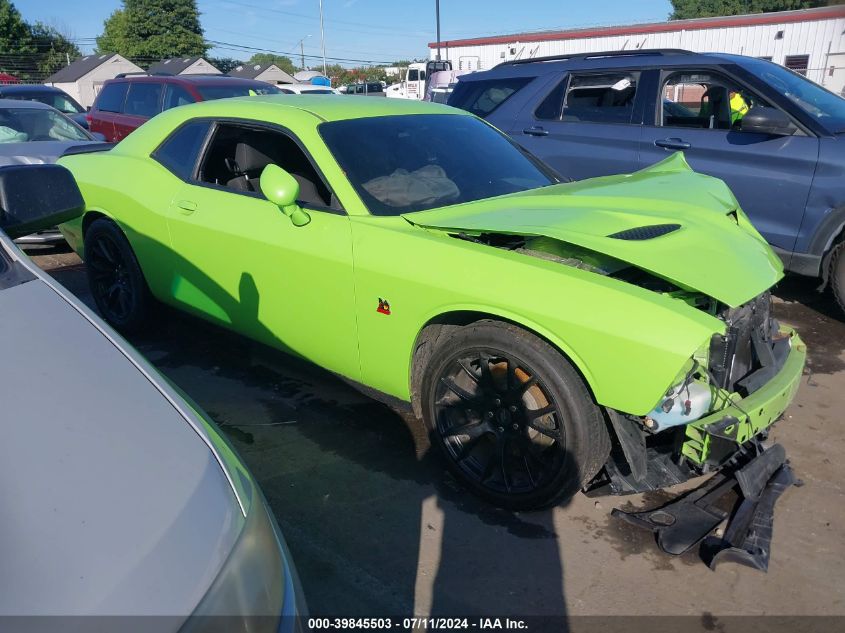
column 120, row 497
column 33, row 133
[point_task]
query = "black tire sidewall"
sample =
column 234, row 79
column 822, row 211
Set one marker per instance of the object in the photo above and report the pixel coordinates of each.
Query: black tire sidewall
column 566, row 387
column 137, row 316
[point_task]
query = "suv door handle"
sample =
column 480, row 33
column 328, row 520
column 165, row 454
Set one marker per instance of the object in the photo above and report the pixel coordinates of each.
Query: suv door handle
column 672, row 143
column 535, row 130
column 186, row 207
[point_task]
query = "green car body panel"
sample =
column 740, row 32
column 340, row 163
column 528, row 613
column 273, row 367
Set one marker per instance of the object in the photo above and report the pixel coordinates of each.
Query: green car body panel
column 314, row 290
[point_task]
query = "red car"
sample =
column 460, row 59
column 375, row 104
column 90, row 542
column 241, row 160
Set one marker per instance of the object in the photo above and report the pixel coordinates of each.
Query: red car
column 124, row 103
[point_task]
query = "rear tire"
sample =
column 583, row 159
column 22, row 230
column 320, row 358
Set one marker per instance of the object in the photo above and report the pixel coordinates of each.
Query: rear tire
column 836, row 274
column 115, row 278
column 511, row 415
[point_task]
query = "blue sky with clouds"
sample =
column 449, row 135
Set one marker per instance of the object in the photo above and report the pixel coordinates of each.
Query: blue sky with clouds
column 371, row 30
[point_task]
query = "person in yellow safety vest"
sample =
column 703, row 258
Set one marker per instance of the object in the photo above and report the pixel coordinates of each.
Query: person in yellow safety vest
column 738, row 106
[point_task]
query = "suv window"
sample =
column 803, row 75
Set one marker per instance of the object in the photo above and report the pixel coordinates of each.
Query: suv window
column 482, row 97
column 111, row 97
column 175, row 96
column 238, row 154
column 144, row 99
column 180, row 150
column 703, row 99
column 594, row 98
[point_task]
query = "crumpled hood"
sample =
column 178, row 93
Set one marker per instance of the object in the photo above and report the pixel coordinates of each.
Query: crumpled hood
column 714, row 250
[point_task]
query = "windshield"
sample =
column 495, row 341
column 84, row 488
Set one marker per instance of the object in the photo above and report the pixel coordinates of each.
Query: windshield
column 62, row 103
column 224, row 92
column 824, row 106
column 18, row 125
column 400, row 164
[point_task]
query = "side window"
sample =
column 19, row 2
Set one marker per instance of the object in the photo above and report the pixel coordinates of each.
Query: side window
column 144, row 99
column 482, row 97
column 702, row 99
column 598, row 98
column 111, row 97
column 175, row 96
column 179, row 152
column 413, row 75
column 237, row 155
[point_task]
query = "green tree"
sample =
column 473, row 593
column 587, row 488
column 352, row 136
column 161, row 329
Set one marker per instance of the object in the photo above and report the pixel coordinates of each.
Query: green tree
column 15, row 40
column 224, row 64
column 281, row 61
column 685, row 9
column 54, row 48
column 113, row 38
column 149, row 30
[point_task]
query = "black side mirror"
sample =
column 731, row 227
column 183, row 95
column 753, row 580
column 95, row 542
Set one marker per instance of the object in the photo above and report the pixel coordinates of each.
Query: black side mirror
column 764, row 120
column 37, row 197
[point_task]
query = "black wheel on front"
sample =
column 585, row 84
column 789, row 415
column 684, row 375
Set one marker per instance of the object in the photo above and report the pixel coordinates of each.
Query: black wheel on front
column 114, row 276
column 513, row 418
column 499, row 423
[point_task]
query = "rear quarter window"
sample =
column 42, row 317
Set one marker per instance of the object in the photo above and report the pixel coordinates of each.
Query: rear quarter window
column 111, row 97
column 179, row 152
column 483, row 97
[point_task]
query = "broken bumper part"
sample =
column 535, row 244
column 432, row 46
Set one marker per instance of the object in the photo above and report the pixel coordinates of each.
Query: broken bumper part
column 688, row 520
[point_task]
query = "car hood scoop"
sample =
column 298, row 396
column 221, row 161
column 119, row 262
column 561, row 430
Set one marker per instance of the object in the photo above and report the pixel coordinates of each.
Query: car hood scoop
column 667, row 220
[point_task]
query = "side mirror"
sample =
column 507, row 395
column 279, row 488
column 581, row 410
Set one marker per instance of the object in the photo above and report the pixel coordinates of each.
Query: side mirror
column 99, row 136
column 36, row 197
column 280, row 188
column 771, row 121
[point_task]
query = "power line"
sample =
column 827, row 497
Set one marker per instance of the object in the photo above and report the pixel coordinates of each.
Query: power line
column 219, row 44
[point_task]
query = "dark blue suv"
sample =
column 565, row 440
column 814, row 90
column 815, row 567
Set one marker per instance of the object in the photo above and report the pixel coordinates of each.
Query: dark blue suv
column 775, row 137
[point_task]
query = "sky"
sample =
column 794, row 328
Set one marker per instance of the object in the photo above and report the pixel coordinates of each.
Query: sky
column 375, row 31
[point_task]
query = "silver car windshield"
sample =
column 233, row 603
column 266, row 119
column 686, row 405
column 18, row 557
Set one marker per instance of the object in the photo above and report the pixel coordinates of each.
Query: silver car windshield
column 21, row 125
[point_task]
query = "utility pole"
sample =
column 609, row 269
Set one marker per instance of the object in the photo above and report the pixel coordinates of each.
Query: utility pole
column 323, row 39
column 437, row 14
column 302, row 50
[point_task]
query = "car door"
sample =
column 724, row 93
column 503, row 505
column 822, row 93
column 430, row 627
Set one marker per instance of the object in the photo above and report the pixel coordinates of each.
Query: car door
column 239, row 261
column 107, row 107
column 699, row 111
column 143, row 101
column 586, row 124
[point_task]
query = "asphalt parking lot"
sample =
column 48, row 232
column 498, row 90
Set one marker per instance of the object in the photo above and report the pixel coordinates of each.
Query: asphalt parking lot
column 377, row 527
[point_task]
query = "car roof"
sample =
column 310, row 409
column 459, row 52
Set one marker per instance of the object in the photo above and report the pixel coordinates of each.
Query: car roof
column 325, row 107
column 29, row 88
column 17, row 103
column 604, row 60
column 199, row 80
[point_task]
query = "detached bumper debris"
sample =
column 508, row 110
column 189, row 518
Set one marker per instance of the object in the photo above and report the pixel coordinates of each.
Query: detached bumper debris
column 690, row 519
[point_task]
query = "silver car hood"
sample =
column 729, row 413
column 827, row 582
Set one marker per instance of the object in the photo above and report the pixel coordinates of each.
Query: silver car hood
column 36, row 152
column 113, row 503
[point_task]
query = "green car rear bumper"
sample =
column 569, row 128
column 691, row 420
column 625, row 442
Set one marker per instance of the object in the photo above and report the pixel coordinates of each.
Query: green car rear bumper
column 742, row 419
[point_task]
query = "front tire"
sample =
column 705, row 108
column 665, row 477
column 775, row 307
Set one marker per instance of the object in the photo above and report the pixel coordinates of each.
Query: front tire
column 115, row 278
column 512, row 416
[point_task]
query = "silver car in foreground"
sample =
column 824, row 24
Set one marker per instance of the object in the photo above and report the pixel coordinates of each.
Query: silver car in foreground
column 119, row 497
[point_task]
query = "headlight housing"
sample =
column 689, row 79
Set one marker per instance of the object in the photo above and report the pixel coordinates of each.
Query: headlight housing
column 256, row 586
column 690, row 396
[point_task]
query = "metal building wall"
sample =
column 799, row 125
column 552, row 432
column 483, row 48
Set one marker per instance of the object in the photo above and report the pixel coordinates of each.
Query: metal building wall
column 822, row 40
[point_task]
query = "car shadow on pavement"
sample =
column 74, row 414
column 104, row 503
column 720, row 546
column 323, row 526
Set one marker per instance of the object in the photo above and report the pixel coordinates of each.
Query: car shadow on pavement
column 376, row 524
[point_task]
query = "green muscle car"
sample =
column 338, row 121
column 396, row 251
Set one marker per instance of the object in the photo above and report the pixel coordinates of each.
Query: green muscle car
column 554, row 336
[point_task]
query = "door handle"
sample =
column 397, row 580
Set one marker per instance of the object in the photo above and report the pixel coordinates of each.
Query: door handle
column 186, row 207
column 672, row 143
column 535, row 130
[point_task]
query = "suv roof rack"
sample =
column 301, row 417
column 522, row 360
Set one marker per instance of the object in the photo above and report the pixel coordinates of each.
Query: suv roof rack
column 630, row 53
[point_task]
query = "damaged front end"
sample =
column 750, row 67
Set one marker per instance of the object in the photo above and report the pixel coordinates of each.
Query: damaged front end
column 715, row 417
